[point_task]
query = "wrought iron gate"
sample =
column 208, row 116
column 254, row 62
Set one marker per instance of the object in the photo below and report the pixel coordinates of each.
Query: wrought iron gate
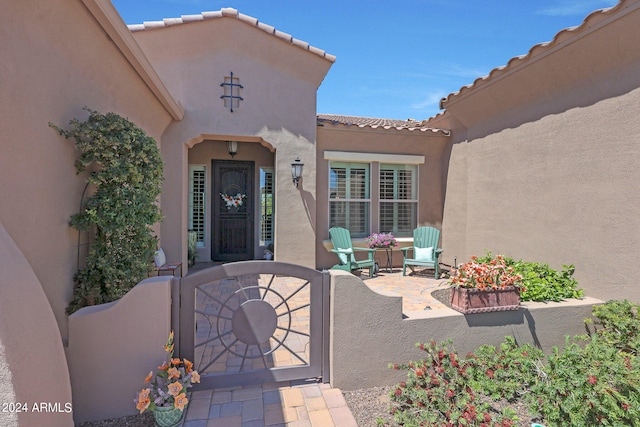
column 254, row 321
column 232, row 213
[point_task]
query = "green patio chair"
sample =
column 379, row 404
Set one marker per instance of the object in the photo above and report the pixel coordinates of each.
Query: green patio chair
column 425, row 250
column 341, row 240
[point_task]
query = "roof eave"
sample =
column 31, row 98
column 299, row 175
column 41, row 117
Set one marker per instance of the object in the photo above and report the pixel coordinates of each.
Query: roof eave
column 384, row 127
column 229, row 12
column 114, row 26
column 592, row 22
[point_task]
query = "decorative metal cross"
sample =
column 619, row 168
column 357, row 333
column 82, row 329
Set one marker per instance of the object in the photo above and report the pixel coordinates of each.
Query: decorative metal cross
column 229, row 86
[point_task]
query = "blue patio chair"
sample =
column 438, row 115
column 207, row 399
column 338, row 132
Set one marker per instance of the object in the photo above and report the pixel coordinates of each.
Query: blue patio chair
column 342, row 246
column 425, row 250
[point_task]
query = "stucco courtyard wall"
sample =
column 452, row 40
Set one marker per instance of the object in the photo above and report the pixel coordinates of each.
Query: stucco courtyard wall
column 278, row 110
column 368, row 331
column 56, row 59
column 113, row 346
column 544, row 164
column 33, row 368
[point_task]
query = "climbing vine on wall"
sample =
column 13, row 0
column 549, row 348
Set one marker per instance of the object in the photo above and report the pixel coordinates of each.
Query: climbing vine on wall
column 125, row 169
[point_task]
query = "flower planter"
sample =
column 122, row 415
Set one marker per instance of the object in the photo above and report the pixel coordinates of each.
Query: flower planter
column 168, row 416
column 471, row 300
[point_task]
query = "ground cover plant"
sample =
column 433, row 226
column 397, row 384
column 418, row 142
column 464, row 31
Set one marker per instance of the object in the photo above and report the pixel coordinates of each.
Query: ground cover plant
column 593, row 380
column 539, row 281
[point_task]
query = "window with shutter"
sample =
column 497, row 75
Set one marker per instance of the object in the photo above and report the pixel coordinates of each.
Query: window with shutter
column 349, row 197
column 266, row 206
column 197, row 212
column 398, row 199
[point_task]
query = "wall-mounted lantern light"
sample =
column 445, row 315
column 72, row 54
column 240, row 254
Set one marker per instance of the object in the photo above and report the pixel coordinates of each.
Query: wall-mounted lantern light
column 232, row 147
column 296, row 170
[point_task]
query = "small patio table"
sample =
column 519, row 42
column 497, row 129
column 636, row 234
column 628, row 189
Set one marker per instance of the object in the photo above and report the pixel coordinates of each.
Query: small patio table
column 389, row 252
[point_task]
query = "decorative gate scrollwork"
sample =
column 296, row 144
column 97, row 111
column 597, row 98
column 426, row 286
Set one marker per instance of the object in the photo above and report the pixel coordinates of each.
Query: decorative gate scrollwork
column 255, row 321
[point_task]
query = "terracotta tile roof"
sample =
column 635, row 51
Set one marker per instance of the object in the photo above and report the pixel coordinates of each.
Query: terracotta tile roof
column 377, row 123
column 232, row 13
column 593, row 19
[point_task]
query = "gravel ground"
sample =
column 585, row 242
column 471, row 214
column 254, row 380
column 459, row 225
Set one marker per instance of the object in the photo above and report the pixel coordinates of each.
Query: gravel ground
column 370, row 404
column 143, row 420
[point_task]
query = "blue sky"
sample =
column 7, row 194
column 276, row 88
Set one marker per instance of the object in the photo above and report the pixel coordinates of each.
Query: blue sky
column 396, row 59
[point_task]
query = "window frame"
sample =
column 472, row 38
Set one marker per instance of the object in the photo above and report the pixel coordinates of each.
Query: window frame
column 201, row 232
column 347, row 200
column 263, row 205
column 397, row 200
column 375, row 161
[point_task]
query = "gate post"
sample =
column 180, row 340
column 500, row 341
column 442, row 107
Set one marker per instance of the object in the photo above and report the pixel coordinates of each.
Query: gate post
column 175, row 313
column 326, row 320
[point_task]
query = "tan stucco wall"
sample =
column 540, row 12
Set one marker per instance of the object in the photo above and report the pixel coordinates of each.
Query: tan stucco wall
column 122, row 340
column 366, row 337
column 431, row 174
column 56, row 60
column 544, row 164
column 279, row 107
column 33, row 368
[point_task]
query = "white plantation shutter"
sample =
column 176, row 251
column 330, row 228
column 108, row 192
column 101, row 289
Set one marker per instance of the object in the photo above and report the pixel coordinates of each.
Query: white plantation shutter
column 197, row 207
column 398, row 199
column 266, row 206
column 349, row 197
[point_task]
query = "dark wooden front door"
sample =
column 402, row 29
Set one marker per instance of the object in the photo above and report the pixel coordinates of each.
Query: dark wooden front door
column 232, row 211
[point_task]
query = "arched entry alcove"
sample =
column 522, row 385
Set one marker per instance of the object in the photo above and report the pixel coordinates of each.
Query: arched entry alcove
column 230, row 197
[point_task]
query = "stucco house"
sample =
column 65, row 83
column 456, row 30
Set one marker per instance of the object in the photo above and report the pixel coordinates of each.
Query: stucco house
column 538, row 160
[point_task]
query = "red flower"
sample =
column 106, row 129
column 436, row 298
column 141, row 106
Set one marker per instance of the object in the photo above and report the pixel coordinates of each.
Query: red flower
column 489, row 373
column 398, row 392
column 592, row 379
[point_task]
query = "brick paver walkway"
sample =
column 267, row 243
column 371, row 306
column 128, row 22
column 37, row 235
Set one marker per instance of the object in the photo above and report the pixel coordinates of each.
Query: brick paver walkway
column 271, row 404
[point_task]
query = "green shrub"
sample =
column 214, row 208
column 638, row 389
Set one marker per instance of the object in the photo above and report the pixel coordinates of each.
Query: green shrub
column 438, row 392
column 504, row 372
column 541, row 282
column 586, row 386
column 126, row 172
column 618, row 325
column 594, row 380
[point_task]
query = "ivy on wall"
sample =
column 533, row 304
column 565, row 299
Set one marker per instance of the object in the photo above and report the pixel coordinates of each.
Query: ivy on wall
column 125, row 168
